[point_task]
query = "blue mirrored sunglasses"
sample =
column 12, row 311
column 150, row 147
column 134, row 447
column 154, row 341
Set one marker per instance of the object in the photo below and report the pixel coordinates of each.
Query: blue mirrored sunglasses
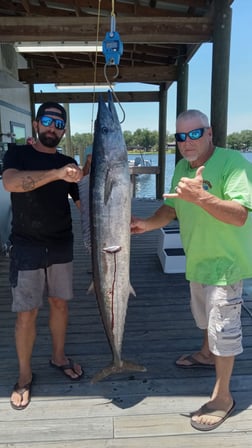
column 47, row 121
column 195, row 134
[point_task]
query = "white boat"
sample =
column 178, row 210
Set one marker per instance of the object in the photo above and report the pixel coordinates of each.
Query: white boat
column 139, row 161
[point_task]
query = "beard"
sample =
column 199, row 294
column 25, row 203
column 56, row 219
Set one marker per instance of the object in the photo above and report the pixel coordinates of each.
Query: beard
column 51, row 141
column 191, row 158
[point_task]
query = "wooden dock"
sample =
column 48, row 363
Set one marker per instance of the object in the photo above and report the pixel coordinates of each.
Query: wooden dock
column 131, row 410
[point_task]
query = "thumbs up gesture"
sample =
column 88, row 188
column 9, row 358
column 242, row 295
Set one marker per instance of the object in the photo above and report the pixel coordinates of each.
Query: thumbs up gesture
column 189, row 189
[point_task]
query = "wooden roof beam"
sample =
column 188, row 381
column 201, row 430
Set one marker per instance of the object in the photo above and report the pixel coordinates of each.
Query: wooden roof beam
column 87, row 7
column 154, row 74
column 132, row 29
column 89, row 97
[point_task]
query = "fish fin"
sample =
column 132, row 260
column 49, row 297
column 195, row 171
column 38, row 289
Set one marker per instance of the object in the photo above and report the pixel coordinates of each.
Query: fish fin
column 132, row 291
column 109, row 183
column 91, row 289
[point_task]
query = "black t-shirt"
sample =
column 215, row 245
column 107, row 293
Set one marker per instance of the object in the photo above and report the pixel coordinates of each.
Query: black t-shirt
column 41, row 216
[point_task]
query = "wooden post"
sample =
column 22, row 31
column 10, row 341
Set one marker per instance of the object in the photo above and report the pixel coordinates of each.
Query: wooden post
column 182, row 86
column 220, row 70
column 160, row 179
column 69, row 149
column 136, row 170
column 182, row 93
column 33, row 111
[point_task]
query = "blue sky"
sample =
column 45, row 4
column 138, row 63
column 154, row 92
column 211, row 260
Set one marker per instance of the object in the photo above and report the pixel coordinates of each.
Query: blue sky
column 145, row 115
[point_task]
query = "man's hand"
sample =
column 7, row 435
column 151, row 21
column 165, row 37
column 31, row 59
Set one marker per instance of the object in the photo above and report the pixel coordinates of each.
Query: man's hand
column 162, row 216
column 137, row 225
column 189, row 189
column 70, row 173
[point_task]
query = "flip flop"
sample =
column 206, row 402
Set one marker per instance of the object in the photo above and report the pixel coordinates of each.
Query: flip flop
column 21, row 390
column 214, row 412
column 69, row 365
column 194, row 363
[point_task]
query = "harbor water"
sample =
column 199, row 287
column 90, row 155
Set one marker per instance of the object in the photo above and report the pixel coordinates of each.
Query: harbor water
column 146, row 183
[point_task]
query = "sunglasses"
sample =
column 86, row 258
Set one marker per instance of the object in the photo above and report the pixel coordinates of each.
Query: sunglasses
column 195, row 134
column 47, row 121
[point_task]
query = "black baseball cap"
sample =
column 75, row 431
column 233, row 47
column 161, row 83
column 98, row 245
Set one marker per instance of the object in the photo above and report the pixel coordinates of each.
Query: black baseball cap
column 43, row 110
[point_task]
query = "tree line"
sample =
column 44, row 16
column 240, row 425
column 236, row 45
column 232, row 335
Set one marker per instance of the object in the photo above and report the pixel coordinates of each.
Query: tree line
column 240, row 140
column 146, row 140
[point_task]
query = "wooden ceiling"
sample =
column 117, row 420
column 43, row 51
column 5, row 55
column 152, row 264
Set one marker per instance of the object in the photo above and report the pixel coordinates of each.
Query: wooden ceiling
column 156, row 35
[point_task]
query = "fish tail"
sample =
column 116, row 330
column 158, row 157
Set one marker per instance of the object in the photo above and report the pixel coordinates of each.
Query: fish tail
column 123, row 366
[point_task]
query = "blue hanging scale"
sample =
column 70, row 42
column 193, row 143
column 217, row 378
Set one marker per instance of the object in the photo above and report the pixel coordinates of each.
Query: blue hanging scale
column 112, row 45
column 112, row 48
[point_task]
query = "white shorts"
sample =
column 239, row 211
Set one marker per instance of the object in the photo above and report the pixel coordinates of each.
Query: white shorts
column 218, row 309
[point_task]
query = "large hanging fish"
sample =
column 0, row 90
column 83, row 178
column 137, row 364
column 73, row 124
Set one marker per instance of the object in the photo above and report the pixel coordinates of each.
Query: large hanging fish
column 110, row 214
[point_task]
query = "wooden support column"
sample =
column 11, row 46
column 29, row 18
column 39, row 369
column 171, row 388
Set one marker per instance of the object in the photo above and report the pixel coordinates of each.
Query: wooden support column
column 160, row 182
column 33, row 111
column 69, row 149
column 220, row 70
column 182, row 94
column 32, row 105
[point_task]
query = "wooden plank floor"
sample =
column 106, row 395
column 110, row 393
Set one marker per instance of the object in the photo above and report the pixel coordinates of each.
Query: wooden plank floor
column 131, row 410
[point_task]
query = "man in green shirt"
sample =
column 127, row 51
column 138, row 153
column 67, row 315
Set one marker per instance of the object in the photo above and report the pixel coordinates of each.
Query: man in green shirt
column 211, row 196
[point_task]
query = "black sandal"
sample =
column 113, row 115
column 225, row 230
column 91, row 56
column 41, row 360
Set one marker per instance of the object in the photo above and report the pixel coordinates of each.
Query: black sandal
column 21, row 390
column 68, row 366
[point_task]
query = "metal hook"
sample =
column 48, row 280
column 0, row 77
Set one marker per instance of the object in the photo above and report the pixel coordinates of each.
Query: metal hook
column 112, row 90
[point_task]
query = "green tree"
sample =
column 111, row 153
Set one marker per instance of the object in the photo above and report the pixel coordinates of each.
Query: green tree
column 246, row 138
column 240, row 140
column 233, row 140
column 170, row 138
column 79, row 142
column 129, row 140
column 145, row 139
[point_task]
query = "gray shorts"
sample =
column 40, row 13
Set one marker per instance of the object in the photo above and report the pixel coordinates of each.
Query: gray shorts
column 218, row 309
column 32, row 285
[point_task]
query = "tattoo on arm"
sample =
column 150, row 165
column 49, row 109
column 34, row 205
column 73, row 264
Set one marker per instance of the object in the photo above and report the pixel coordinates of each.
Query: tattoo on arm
column 28, row 183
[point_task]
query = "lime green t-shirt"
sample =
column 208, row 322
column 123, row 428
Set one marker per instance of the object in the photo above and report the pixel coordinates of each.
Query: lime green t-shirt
column 216, row 253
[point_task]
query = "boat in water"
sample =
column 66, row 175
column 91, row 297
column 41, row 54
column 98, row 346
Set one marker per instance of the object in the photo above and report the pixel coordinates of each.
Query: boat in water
column 139, row 161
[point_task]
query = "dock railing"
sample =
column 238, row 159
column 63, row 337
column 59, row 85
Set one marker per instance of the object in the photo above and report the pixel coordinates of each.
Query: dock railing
column 137, row 170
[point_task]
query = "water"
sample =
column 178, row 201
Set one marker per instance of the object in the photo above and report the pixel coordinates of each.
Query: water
column 146, row 184
column 247, row 155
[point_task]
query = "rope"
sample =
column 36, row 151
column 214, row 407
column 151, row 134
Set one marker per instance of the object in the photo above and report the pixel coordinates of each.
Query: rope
column 113, row 8
column 95, row 67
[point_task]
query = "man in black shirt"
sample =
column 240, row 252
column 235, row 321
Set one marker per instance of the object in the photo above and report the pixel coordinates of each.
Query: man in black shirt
column 40, row 180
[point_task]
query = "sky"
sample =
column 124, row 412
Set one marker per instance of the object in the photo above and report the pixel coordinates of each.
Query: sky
column 145, row 115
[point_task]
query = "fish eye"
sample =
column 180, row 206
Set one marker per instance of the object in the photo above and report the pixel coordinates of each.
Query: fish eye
column 104, row 130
